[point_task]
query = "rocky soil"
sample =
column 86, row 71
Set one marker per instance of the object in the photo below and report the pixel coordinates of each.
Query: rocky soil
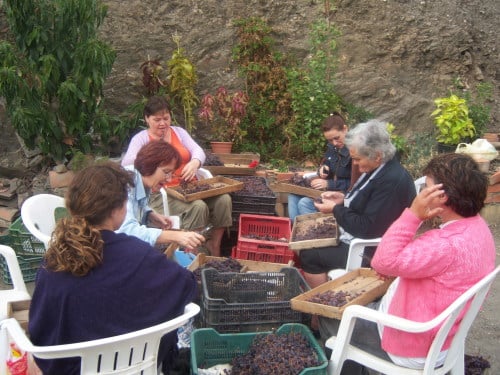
column 395, row 56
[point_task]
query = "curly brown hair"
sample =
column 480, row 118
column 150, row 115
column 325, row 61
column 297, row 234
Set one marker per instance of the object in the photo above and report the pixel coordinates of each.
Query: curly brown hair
column 76, row 245
column 464, row 184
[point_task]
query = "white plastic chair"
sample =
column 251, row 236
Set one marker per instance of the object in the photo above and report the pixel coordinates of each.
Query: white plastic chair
column 18, row 292
column 37, row 213
column 357, row 245
column 130, row 353
column 355, row 256
column 454, row 362
column 419, row 184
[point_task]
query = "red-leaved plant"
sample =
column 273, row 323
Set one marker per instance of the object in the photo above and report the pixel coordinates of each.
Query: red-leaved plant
column 224, row 113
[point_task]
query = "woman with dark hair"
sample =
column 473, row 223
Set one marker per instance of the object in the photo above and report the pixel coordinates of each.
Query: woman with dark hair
column 432, row 269
column 97, row 283
column 336, row 171
column 154, row 166
column 196, row 214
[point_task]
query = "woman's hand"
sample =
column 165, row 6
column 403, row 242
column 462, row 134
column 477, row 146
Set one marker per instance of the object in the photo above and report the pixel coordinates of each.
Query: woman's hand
column 427, row 204
column 323, row 171
column 319, row 184
column 188, row 240
column 159, row 221
column 190, row 169
column 329, row 200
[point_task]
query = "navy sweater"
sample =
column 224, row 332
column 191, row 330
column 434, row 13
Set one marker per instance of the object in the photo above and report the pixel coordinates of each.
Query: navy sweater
column 135, row 287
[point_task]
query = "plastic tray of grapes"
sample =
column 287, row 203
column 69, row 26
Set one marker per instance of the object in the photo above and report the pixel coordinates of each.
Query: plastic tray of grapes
column 358, row 287
column 252, row 301
column 313, row 230
column 292, row 349
column 202, row 189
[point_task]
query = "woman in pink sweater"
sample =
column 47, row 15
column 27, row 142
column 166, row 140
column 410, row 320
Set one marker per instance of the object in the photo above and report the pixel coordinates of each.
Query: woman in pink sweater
column 435, row 268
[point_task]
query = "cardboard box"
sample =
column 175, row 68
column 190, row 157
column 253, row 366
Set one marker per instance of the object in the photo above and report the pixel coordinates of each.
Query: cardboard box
column 304, row 223
column 364, row 281
column 218, row 185
column 19, row 310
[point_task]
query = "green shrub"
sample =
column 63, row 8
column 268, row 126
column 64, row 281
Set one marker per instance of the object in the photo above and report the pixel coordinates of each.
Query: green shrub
column 53, row 75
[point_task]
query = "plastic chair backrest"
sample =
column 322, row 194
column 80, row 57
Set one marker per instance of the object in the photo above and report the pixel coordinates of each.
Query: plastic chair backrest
column 472, row 299
column 18, row 292
column 38, row 215
column 355, row 256
column 130, row 353
column 419, row 183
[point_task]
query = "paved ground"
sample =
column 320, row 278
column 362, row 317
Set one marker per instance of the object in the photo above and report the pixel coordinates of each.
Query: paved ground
column 484, row 337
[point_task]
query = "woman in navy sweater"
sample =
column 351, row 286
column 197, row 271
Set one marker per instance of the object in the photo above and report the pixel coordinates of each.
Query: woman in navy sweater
column 96, row 283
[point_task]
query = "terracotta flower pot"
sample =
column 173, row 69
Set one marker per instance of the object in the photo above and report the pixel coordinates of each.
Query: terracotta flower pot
column 221, row 147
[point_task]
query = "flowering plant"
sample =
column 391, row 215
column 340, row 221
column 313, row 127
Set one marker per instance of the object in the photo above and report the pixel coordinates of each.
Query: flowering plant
column 224, row 113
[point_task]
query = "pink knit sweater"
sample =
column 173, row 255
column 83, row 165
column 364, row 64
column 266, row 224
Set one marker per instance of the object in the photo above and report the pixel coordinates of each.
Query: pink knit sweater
column 434, row 270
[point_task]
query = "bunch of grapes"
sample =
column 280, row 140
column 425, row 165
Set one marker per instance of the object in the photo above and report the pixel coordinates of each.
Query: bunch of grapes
column 333, row 298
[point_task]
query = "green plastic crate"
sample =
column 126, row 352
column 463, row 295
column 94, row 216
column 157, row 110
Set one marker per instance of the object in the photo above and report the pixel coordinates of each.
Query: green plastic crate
column 29, row 265
column 22, row 241
column 210, row 348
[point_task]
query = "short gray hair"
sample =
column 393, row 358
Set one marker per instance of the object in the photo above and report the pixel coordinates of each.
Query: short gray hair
column 370, row 139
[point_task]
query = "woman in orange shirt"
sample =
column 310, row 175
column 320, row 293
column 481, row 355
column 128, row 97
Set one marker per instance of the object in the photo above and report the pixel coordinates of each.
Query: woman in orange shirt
column 199, row 213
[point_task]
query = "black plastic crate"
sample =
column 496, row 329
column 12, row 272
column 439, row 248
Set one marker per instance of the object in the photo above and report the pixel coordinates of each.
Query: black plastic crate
column 255, row 208
column 250, row 302
column 251, row 194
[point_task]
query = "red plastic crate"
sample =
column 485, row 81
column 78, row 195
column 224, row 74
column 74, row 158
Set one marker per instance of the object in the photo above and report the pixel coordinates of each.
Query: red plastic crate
column 264, row 225
column 263, row 253
column 272, row 227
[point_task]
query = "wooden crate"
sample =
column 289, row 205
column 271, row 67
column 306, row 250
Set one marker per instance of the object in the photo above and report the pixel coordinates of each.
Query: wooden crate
column 234, row 164
column 248, row 265
column 362, row 280
column 220, row 185
column 307, row 221
column 284, row 187
column 19, row 310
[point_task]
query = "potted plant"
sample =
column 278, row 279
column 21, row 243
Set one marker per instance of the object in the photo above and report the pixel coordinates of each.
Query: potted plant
column 223, row 113
column 453, row 123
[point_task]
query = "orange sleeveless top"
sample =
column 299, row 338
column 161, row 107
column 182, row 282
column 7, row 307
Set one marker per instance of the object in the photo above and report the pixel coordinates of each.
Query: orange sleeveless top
column 185, row 158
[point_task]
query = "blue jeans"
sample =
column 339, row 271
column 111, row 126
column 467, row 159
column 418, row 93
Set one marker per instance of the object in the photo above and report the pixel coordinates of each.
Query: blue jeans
column 300, row 205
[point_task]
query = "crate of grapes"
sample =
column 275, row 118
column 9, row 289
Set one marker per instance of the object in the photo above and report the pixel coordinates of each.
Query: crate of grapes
column 251, row 301
column 358, row 287
column 255, row 195
column 292, row 342
column 264, row 238
column 314, row 230
column 223, row 264
column 206, row 188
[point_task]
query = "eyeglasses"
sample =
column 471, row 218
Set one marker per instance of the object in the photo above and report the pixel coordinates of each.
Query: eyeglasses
column 168, row 174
